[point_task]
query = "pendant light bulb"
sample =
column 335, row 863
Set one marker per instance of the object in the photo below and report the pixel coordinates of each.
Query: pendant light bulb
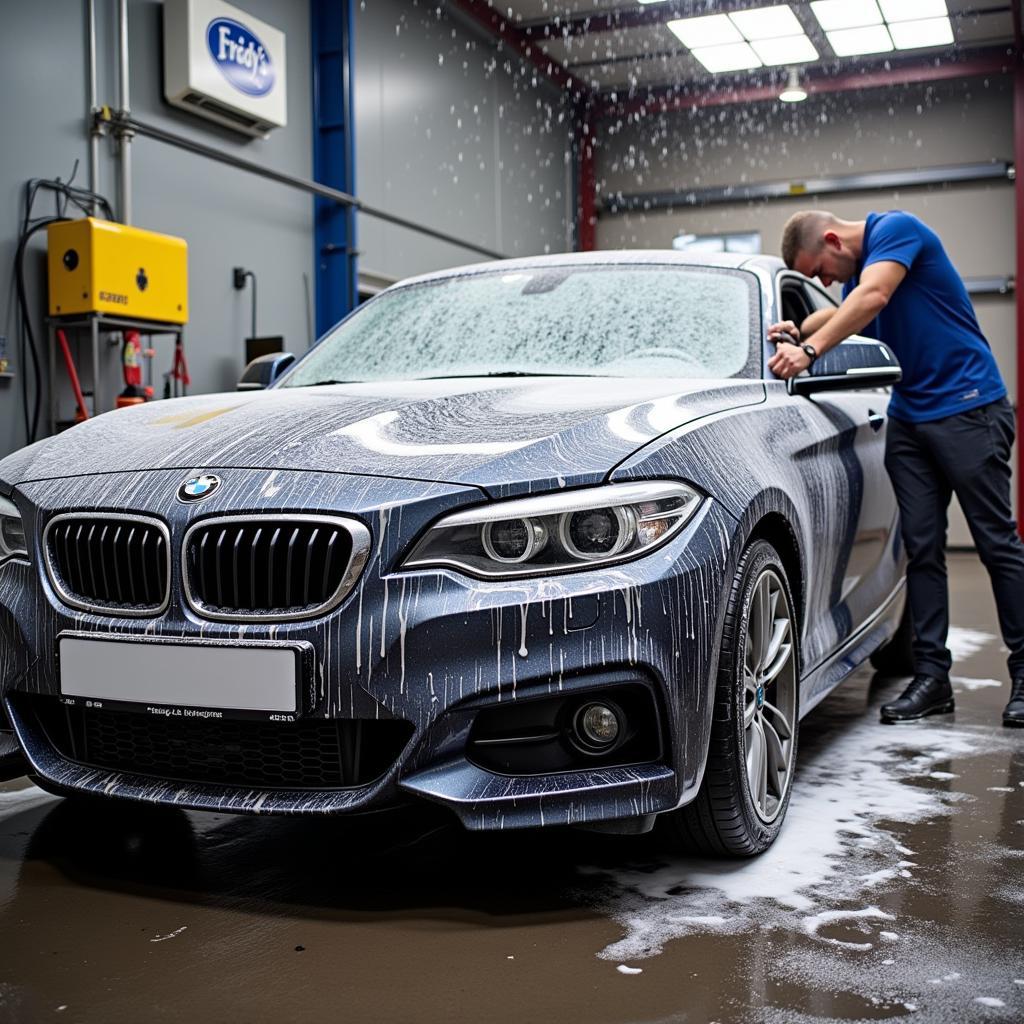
column 794, row 91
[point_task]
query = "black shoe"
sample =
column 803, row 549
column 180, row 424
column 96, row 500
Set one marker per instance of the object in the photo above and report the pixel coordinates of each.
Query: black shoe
column 1013, row 713
column 925, row 695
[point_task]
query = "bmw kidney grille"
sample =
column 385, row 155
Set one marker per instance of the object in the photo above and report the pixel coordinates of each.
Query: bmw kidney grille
column 252, row 568
column 109, row 563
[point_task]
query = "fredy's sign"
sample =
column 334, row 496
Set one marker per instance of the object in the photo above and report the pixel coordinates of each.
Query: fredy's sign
column 240, row 56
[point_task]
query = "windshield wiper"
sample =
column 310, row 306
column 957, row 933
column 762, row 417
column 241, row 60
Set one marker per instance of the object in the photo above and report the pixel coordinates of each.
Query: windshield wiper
column 506, row 373
column 318, row 383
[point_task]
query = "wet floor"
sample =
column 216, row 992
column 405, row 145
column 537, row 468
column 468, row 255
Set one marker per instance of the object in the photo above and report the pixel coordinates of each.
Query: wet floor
column 894, row 892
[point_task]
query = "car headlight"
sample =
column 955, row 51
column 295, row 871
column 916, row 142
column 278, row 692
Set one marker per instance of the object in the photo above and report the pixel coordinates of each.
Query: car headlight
column 562, row 532
column 12, row 532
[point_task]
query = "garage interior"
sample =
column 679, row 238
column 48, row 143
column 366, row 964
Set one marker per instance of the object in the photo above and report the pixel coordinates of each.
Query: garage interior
column 421, row 136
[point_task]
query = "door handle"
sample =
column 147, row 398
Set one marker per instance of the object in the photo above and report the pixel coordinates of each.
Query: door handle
column 877, row 420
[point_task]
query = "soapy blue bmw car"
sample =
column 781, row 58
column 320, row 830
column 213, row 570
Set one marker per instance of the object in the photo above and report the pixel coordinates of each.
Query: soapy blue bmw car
column 541, row 541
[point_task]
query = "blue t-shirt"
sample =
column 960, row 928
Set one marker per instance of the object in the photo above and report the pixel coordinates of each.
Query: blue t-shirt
column 929, row 323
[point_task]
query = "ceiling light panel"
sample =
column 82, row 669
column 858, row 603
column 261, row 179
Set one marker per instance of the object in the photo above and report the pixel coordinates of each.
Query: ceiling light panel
column 911, row 35
column 913, row 10
column 767, row 23
column 790, row 50
column 851, row 42
column 715, row 30
column 839, row 14
column 731, row 57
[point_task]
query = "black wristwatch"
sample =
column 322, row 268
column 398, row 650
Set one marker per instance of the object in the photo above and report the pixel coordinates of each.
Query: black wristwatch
column 809, row 350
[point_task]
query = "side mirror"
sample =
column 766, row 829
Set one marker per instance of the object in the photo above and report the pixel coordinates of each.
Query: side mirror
column 264, row 370
column 855, row 363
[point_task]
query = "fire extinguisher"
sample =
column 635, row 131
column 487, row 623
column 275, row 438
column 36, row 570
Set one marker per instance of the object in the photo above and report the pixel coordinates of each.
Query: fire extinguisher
column 131, row 365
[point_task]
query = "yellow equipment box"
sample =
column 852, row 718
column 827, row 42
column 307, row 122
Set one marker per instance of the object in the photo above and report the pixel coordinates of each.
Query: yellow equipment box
column 98, row 266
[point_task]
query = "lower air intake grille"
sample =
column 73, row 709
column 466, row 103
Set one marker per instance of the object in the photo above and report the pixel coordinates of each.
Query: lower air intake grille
column 107, row 562
column 308, row 754
column 274, row 567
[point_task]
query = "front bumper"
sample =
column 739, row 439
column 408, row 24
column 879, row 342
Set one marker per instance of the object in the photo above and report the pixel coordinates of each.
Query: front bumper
column 431, row 648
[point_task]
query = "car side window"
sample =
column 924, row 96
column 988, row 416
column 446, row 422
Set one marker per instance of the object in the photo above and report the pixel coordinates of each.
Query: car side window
column 794, row 303
column 818, row 298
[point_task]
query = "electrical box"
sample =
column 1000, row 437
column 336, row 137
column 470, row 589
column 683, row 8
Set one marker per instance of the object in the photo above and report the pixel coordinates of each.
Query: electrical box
column 224, row 64
column 98, row 266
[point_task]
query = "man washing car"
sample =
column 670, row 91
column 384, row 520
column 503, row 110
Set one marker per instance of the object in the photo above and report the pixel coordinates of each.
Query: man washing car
column 951, row 426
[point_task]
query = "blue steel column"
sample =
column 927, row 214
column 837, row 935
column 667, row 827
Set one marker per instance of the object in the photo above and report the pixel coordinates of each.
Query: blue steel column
column 332, row 25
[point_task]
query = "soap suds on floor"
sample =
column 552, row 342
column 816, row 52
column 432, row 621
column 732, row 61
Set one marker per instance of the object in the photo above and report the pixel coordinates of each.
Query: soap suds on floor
column 837, row 873
column 836, row 842
column 13, row 801
column 962, row 643
column 968, row 683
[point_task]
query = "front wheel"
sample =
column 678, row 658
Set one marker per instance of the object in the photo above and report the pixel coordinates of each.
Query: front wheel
column 752, row 752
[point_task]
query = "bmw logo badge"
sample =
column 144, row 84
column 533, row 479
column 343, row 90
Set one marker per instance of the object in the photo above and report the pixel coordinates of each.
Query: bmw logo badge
column 198, row 487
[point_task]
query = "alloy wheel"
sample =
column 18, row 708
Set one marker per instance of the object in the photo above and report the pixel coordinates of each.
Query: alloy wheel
column 770, row 694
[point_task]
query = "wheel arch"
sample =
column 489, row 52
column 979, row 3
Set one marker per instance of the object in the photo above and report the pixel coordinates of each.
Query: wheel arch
column 776, row 526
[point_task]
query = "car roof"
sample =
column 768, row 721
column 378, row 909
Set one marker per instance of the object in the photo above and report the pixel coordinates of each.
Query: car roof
column 609, row 257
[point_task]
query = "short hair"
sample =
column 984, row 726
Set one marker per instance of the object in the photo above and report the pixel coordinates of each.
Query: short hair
column 804, row 233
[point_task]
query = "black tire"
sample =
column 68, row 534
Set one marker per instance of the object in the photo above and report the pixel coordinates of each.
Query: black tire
column 723, row 820
column 896, row 657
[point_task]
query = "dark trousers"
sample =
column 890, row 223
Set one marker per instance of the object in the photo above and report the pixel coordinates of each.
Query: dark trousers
column 969, row 455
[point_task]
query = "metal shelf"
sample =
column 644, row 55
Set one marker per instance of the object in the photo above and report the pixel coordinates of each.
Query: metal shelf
column 116, row 323
column 97, row 324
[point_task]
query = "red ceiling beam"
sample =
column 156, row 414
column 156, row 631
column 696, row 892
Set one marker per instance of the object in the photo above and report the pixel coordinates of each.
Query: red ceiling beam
column 497, row 25
column 984, row 62
column 586, row 215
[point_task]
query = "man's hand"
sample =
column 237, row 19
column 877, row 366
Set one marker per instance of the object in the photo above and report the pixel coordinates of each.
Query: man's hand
column 789, row 360
column 784, row 330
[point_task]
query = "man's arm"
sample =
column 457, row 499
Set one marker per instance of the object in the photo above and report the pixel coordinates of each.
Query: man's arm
column 816, row 321
column 859, row 308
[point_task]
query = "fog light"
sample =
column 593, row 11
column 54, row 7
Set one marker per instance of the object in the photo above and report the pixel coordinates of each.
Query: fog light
column 597, row 727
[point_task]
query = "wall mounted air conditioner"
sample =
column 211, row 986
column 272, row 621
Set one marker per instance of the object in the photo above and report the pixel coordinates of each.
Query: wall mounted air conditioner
column 223, row 64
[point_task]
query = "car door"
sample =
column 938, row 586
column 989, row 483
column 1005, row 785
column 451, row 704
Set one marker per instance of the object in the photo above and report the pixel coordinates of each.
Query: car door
column 859, row 417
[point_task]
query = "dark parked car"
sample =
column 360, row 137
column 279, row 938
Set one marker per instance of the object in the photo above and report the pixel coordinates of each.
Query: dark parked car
column 540, row 540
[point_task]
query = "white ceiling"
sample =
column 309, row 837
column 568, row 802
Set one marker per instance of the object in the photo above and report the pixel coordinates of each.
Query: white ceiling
column 651, row 55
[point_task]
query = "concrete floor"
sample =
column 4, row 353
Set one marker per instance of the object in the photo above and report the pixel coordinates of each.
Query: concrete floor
column 894, row 892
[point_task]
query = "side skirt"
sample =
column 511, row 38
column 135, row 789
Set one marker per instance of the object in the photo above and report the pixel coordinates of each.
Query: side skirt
column 824, row 678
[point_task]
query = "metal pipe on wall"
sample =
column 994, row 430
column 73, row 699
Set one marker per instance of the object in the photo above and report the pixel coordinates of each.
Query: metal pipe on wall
column 94, row 138
column 134, row 126
column 124, row 135
column 922, row 177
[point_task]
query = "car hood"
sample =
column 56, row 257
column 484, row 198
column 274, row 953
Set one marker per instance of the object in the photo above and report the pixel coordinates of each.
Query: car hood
column 500, row 435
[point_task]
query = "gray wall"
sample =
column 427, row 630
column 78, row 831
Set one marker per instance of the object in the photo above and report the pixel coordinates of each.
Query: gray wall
column 455, row 135
column 919, row 126
column 499, row 178
column 227, row 217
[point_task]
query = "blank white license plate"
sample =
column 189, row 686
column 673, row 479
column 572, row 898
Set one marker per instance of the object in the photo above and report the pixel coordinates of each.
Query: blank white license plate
column 189, row 675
